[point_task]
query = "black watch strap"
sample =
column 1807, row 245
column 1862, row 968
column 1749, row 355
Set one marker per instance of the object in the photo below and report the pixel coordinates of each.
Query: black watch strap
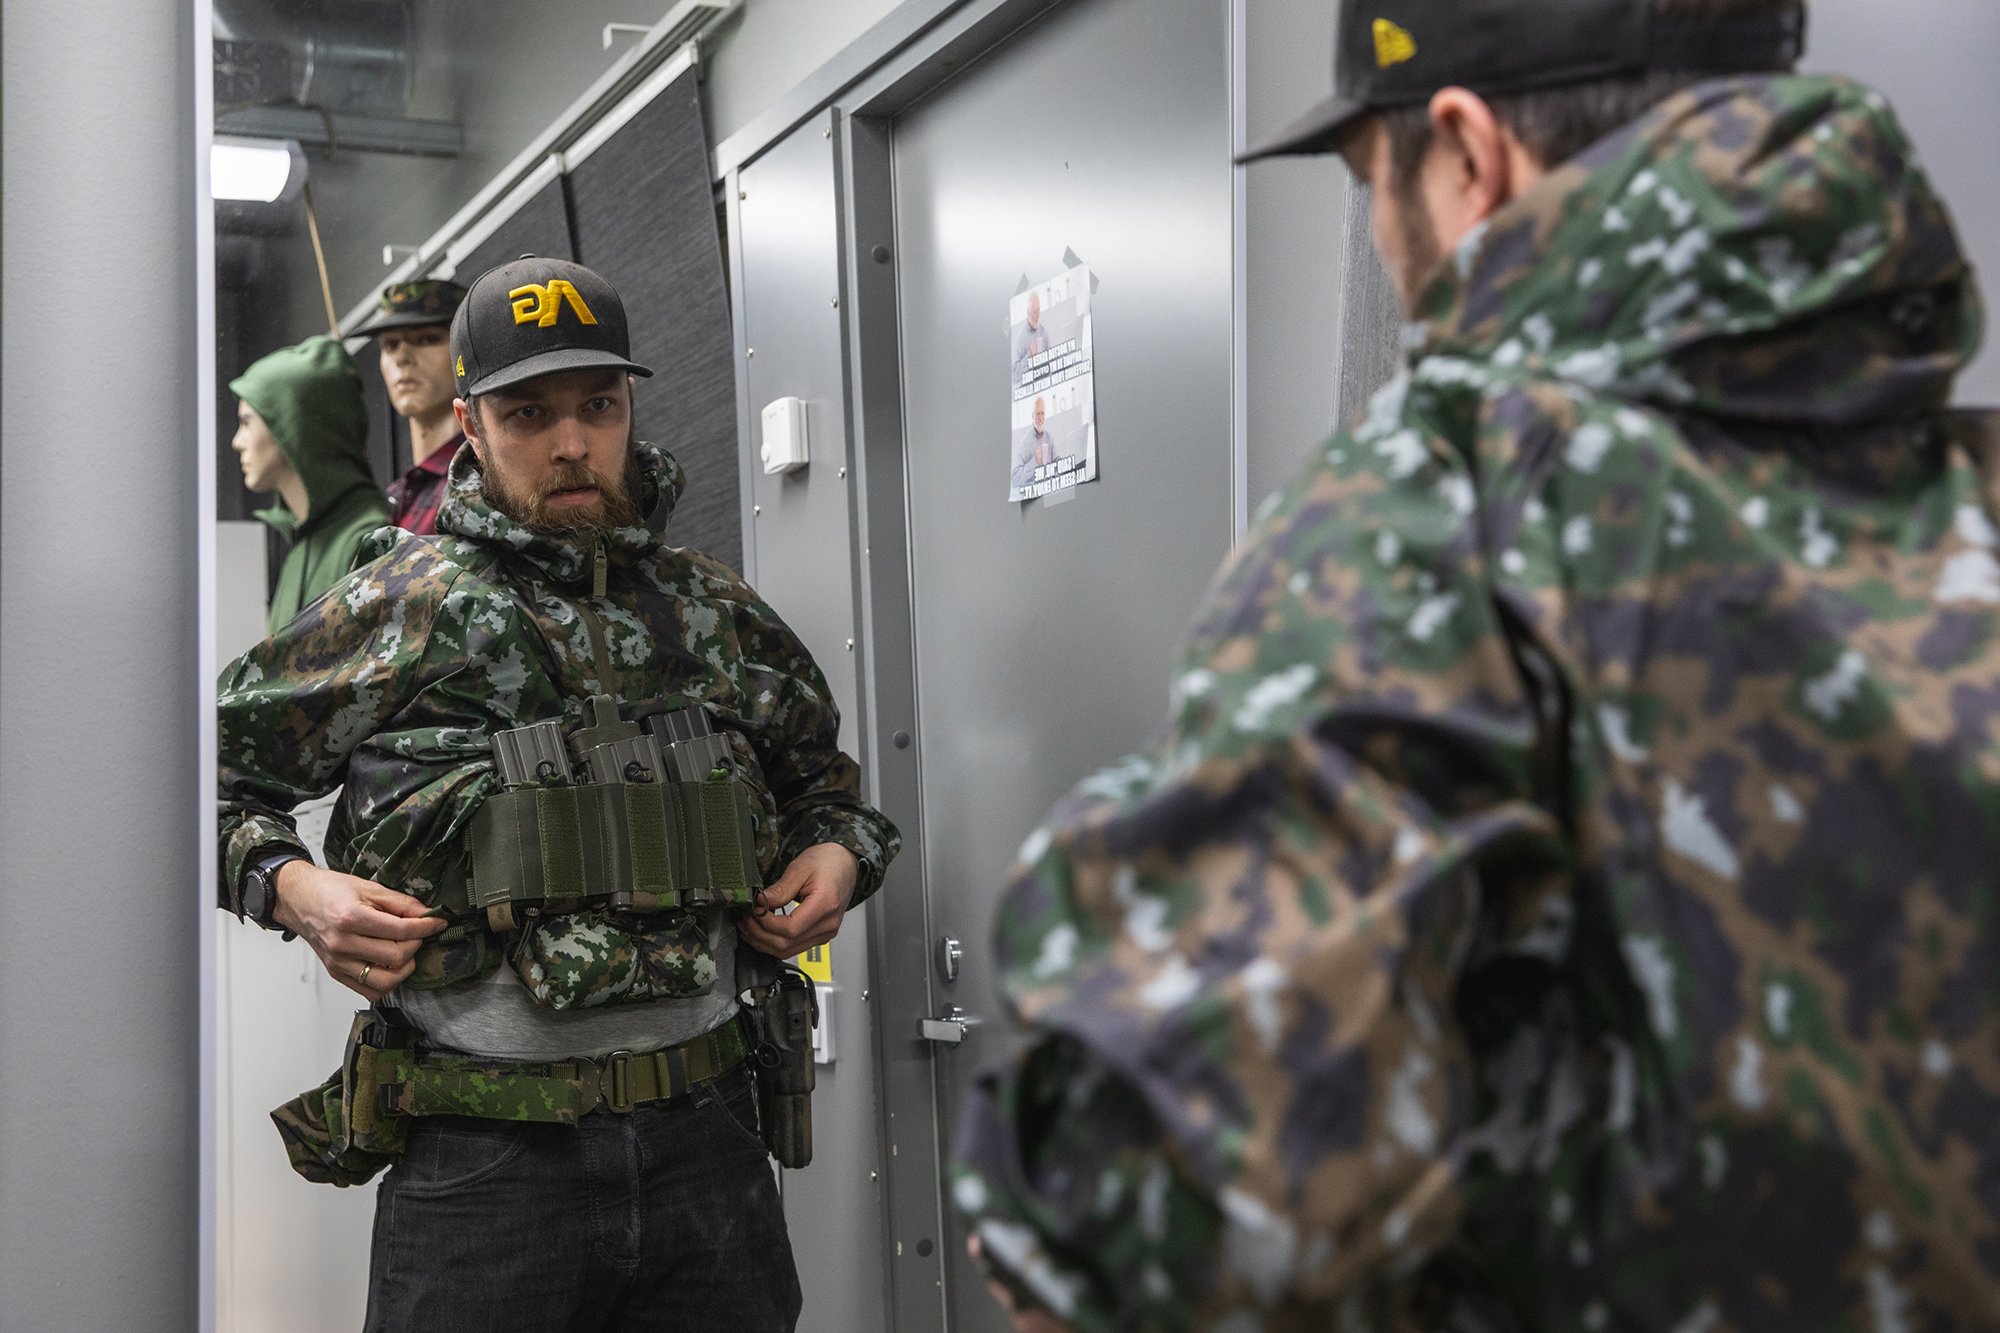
column 262, row 876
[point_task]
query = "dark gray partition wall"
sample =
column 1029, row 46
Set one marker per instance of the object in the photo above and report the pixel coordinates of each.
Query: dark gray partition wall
column 388, row 437
column 644, row 216
column 1371, row 314
column 539, row 227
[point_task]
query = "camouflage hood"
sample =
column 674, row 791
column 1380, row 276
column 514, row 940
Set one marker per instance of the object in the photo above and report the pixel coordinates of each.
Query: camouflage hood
column 1718, row 259
column 466, row 512
column 1571, row 834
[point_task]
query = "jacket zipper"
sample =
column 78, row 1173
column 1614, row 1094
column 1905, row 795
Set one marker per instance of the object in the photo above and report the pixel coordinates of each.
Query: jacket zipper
column 599, row 646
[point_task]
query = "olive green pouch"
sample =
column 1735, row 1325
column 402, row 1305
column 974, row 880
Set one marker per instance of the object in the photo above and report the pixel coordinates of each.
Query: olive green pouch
column 342, row 1132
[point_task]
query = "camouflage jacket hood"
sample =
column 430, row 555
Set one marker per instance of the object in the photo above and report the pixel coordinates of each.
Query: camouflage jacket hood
column 391, row 686
column 1718, row 262
column 1562, row 895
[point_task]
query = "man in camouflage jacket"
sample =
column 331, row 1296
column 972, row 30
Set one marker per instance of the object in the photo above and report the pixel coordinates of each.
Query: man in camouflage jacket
column 1564, row 894
column 543, row 588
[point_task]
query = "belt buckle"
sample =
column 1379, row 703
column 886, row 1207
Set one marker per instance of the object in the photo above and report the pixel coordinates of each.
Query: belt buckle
column 614, row 1082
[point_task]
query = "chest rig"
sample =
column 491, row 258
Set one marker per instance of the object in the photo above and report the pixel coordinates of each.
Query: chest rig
column 642, row 815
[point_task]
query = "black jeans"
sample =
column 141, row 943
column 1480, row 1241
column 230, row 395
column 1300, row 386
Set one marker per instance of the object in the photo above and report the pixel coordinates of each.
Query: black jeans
column 666, row 1218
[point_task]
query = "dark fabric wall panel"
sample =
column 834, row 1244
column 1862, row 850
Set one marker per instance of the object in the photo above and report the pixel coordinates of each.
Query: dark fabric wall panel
column 644, row 214
column 541, row 227
column 388, row 441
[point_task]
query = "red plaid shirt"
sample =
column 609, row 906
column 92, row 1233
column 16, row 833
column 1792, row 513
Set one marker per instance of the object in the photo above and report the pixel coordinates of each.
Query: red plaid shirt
column 417, row 495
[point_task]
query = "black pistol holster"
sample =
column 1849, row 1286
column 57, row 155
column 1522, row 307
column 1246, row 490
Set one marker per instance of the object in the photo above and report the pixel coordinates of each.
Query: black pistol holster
column 781, row 1009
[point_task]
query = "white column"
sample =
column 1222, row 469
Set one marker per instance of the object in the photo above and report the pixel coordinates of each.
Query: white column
column 100, row 914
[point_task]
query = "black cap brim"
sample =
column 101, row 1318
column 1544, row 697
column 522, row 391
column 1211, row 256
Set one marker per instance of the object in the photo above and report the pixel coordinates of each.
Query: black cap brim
column 414, row 319
column 552, row 363
column 1317, row 131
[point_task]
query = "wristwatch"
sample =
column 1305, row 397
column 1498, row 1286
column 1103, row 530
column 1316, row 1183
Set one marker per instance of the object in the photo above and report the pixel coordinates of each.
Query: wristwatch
column 260, row 886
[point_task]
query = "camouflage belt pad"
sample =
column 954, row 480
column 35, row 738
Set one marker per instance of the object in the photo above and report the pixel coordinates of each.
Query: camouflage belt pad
column 559, row 1092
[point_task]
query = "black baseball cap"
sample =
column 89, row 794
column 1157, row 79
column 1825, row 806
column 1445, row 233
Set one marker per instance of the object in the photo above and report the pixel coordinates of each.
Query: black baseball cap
column 1390, row 53
column 536, row 317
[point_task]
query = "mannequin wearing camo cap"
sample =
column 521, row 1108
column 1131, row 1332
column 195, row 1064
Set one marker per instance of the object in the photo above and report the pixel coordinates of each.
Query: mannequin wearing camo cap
column 412, row 332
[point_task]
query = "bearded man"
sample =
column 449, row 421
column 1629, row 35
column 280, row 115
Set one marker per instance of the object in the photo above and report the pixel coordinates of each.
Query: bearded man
column 580, row 767
column 1562, row 896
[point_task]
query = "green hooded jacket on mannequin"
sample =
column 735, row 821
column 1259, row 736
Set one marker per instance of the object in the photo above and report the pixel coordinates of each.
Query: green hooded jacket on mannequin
column 310, row 397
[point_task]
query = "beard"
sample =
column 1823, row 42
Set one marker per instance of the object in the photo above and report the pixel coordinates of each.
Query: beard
column 528, row 506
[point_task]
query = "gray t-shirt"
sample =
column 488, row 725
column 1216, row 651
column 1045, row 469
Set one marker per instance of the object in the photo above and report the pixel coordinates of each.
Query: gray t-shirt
column 495, row 1018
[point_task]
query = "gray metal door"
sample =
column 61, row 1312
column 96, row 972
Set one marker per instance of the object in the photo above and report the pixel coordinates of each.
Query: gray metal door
column 1044, row 633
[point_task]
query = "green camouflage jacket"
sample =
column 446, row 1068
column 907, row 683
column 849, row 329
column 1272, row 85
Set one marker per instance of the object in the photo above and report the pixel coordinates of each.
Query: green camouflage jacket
column 393, row 682
column 1563, row 895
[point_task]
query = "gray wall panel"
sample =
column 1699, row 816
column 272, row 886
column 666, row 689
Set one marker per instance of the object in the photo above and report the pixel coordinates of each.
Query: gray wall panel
column 643, row 213
column 788, row 235
column 100, row 827
column 1045, row 633
column 769, row 45
column 1935, row 60
column 1296, row 226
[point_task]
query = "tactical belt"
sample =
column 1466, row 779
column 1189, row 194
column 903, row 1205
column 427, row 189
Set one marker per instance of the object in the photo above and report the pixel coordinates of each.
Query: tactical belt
column 398, row 1080
column 635, row 846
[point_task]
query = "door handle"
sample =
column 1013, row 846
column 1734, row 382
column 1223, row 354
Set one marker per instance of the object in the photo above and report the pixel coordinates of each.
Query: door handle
column 949, row 1027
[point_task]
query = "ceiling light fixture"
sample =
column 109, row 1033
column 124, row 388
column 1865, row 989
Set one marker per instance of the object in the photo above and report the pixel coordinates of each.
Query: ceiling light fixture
column 264, row 171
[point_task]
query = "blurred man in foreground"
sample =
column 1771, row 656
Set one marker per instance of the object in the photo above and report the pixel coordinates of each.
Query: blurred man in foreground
column 1563, row 893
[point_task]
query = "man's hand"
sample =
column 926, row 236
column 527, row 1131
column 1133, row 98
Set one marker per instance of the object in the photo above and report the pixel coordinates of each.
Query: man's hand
column 820, row 883
column 366, row 935
column 1025, row 1321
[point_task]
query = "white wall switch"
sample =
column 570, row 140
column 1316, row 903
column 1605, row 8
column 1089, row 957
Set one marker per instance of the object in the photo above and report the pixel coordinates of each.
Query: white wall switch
column 784, row 435
column 823, row 1034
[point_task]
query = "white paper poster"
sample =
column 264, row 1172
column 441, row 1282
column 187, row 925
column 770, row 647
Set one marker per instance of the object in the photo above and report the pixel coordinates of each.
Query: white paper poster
column 1053, row 444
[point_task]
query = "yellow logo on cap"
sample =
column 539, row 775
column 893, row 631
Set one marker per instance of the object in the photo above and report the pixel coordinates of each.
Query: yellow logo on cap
column 538, row 304
column 461, row 367
column 1393, row 45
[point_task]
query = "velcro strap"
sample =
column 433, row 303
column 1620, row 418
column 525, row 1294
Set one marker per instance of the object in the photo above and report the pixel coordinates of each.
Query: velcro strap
column 726, row 832
column 561, row 841
column 651, row 841
column 697, row 885
column 650, row 847
column 549, row 845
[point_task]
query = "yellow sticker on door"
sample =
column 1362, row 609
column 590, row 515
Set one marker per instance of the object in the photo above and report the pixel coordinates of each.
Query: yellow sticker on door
column 817, row 963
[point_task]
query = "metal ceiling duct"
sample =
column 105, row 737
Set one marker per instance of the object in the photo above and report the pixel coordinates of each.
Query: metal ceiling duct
column 335, row 55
